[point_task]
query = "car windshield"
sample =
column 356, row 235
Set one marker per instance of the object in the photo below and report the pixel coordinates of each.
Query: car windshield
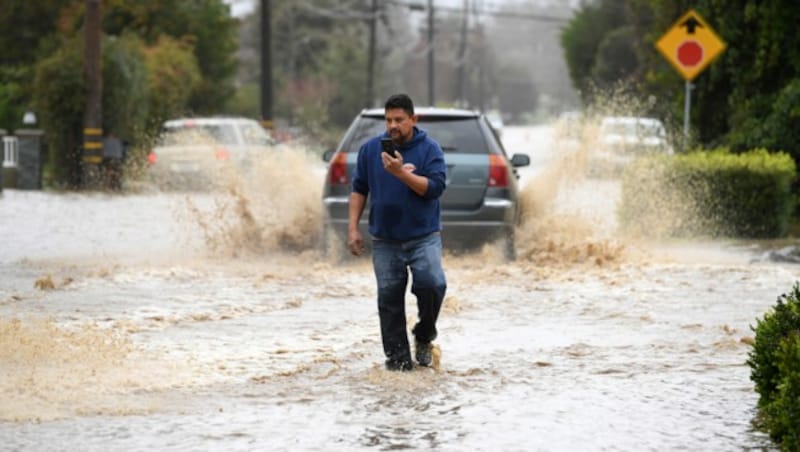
column 198, row 134
column 255, row 134
column 454, row 134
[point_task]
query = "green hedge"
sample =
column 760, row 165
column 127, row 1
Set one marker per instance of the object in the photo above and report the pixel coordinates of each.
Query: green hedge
column 710, row 193
column 775, row 370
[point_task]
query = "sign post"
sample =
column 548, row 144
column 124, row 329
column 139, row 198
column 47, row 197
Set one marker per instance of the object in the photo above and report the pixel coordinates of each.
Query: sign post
column 690, row 46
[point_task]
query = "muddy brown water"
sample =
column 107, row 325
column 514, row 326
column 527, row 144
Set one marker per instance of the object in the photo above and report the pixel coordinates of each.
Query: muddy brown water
column 184, row 321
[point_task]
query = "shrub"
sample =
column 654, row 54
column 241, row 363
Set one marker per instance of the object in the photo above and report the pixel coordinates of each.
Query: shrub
column 712, row 193
column 775, row 369
column 783, row 413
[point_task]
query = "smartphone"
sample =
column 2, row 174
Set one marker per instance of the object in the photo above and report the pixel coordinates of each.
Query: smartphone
column 388, row 146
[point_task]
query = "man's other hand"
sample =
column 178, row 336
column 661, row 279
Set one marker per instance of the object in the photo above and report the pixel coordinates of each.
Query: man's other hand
column 355, row 243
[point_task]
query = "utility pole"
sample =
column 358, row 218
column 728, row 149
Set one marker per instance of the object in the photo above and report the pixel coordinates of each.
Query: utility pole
column 93, row 116
column 266, row 65
column 371, row 57
column 431, row 79
column 481, row 65
column 461, row 94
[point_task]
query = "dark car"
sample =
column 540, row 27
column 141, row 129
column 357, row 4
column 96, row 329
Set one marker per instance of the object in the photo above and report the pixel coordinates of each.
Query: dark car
column 480, row 202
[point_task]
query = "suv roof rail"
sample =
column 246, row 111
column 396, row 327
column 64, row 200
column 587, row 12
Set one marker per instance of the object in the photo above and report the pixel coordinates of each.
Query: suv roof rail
column 426, row 110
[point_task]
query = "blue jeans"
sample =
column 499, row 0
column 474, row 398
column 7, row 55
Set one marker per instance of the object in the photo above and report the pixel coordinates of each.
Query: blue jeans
column 391, row 261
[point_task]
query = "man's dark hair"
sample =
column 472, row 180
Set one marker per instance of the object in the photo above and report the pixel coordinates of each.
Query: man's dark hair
column 400, row 101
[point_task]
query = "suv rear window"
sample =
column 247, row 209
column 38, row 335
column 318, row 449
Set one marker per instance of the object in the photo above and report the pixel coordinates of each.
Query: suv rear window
column 459, row 134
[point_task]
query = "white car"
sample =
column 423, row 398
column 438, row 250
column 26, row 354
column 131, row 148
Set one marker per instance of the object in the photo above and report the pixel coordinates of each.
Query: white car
column 195, row 152
column 621, row 139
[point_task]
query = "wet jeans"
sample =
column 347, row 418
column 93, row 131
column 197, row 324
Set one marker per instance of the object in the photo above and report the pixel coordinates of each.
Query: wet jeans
column 392, row 261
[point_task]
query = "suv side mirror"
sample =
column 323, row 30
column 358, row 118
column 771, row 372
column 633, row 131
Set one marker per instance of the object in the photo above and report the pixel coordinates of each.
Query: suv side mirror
column 518, row 160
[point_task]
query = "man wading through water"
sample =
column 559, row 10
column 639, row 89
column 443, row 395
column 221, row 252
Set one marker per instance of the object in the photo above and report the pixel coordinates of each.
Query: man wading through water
column 404, row 182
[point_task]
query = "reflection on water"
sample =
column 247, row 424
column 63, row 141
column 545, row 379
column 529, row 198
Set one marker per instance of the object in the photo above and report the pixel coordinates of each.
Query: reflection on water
column 211, row 321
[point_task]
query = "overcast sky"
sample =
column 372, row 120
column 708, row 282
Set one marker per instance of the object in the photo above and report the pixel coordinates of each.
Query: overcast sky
column 243, row 7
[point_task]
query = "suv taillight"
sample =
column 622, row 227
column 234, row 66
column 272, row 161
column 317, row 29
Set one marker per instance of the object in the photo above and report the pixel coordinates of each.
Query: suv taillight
column 498, row 171
column 337, row 172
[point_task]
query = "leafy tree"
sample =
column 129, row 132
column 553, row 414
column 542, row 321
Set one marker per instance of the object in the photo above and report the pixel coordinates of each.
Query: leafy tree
column 347, row 84
column 206, row 24
column 60, row 98
column 26, row 26
column 615, row 58
column 34, row 30
column 12, row 96
column 761, row 39
column 173, row 76
column 582, row 37
column 125, row 86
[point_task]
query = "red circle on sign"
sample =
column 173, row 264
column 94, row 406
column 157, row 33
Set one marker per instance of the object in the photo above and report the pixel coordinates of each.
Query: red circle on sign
column 690, row 53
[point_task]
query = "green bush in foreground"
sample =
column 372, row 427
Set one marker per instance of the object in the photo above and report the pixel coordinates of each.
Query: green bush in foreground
column 783, row 418
column 711, row 193
column 775, row 369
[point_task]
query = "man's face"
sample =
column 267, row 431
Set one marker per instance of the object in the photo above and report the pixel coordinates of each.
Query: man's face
column 400, row 125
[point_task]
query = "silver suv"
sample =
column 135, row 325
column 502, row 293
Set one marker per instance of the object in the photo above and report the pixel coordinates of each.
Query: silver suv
column 479, row 204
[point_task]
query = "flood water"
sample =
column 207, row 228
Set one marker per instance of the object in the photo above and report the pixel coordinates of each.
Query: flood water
column 179, row 321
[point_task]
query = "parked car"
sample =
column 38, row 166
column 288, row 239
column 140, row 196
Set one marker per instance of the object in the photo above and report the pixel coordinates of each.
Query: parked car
column 479, row 205
column 196, row 152
column 621, row 139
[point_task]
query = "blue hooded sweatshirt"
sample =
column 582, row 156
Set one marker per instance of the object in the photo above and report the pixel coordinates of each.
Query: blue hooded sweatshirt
column 395, row 211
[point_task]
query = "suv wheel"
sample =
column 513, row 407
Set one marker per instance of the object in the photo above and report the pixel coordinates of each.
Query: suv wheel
column 508, row 247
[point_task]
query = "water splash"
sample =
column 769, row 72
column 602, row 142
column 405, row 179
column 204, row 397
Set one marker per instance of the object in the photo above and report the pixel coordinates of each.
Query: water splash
column 274, row 207
column 54, row 370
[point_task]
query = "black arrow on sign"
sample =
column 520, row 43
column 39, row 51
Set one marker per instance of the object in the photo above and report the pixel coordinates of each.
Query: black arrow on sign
column 691, row 23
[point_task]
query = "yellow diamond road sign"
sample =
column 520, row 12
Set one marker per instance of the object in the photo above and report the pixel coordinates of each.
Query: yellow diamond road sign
column 690, row 45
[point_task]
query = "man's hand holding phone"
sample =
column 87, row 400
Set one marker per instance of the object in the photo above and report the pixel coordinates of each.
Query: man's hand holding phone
column 387, row 145
column 392, row 160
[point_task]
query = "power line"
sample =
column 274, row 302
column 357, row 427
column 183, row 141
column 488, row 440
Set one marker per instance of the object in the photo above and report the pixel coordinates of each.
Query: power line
column 345, row 11
column 485, row 12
